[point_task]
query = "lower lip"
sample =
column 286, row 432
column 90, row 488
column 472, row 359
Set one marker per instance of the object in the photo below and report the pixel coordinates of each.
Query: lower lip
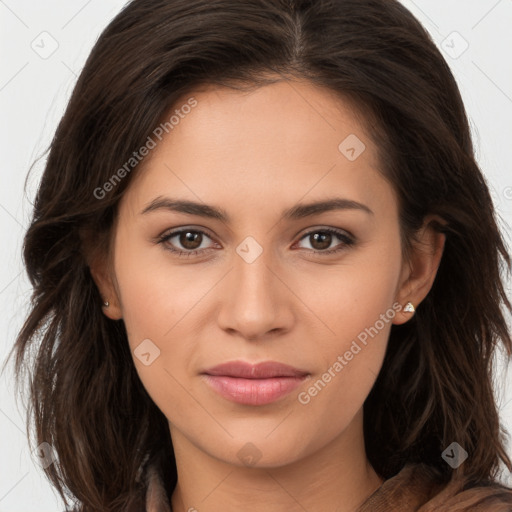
column 253, row 391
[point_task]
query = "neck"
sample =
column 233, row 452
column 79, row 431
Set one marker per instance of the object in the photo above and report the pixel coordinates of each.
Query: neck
column 337, row 477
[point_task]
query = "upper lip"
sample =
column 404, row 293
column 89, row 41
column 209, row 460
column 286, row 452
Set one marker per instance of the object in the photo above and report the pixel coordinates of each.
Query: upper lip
column 264, row 370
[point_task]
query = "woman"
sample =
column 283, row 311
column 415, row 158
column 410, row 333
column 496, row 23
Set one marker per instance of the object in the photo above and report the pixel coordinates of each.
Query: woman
column 266, row 269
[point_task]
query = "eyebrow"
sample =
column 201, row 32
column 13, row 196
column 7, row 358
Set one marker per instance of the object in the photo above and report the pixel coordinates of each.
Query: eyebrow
column 214, row 212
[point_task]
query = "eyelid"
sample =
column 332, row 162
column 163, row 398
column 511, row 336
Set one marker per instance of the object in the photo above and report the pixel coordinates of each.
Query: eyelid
column 330, row 229
column 190, row 227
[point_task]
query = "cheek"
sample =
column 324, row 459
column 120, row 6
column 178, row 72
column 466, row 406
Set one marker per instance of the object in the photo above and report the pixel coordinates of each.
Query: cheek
column 155, row 301
column 351, row 297
column 354, row 301
column 155, row 294
column 348, row 362
column 161, row 303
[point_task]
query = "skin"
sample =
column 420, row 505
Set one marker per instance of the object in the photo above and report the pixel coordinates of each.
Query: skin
column 255, row 155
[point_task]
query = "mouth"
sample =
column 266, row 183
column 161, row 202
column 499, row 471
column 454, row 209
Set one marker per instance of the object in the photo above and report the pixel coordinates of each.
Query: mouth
column 254, row 384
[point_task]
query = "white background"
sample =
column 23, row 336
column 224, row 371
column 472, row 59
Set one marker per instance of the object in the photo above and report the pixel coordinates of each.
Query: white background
column 33, row 95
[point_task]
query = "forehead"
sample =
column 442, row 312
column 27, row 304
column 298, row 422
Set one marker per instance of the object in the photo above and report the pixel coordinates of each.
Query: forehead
column 279, row 141
column 280, row 116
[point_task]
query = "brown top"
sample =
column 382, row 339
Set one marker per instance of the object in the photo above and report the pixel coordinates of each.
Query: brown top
column 413, row 489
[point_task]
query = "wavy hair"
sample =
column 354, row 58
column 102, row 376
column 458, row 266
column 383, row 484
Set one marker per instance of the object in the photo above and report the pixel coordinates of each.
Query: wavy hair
column 435, row 385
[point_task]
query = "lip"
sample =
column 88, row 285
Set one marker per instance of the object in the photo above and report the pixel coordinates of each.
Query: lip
column 254, row 384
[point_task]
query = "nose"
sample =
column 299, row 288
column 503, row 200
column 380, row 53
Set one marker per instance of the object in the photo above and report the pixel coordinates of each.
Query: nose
column 255, row 301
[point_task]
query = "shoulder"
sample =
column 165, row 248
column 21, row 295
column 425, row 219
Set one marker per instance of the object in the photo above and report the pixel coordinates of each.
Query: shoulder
column 457, row 496
column 419, row 488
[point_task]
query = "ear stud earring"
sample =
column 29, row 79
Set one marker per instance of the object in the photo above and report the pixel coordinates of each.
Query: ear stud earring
column 106, row 303
column 409, row 308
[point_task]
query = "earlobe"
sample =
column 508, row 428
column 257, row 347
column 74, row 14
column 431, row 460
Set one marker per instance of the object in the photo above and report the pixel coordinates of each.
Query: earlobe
column 420, row 270
column 409, row 308
column 113, row 313
column 405, row 313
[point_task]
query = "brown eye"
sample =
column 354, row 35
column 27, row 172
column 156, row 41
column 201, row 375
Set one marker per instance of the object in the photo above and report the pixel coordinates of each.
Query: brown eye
column 321, row 241
column 190, row 239
column 186, row 242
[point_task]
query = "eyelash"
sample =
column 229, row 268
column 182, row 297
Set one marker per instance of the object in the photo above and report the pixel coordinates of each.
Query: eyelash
column 346, row 239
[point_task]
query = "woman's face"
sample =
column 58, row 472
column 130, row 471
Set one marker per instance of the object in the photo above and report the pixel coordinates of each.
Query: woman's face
column 276, row 280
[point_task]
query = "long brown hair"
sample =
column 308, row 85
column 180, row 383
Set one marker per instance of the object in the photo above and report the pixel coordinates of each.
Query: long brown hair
column 435, row 386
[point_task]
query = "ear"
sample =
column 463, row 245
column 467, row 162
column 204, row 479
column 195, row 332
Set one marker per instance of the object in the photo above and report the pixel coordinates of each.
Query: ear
column 418, row 273
column 95, row 249
column 103, row 277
